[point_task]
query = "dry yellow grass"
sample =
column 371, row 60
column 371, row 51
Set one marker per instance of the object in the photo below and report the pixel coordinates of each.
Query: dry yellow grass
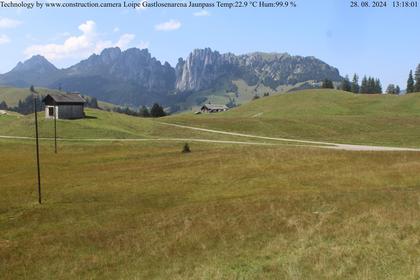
column 147, row 211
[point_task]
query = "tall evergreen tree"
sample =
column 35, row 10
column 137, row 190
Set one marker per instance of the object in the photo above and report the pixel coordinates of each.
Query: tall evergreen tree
column 345, row 84
column 355, row 88
column 371, row 85
column 144, row 112
column 378, row 86
column 397, row 90
column 364, row 87
column 417, row 79
column 157, row 111
column 410, row 82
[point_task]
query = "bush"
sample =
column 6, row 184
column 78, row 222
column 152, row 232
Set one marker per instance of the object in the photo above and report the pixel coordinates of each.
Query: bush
column 186, row 148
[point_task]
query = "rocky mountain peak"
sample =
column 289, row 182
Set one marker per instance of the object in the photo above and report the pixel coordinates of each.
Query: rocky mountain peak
column 200, row 69
column 204, row 68
column 36, row 63
column 110, row 54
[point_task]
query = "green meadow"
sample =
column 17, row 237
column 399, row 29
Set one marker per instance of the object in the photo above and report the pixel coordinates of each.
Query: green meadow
column 322, row 115
column 145, row 210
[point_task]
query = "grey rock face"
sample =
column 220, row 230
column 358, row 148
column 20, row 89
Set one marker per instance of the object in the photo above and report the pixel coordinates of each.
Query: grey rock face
column 204, row 68
column 36, row 63
column 131, row 66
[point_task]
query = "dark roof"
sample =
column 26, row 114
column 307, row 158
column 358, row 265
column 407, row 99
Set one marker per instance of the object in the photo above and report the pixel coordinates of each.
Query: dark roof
column 64, row 98
column 215, row 107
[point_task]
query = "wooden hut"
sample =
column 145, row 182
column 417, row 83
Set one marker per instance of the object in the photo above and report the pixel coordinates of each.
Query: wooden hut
column 64, row 106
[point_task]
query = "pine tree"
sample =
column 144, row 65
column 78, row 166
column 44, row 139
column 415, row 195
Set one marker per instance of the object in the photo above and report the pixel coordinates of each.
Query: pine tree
column 410, row 83
column 378, row 86
column 144, row 112
column 157, row 111
column 345, row 84
column 417, row 79
column 397, row 90
column 371, row 85
column 364, row 88
column 355, row 88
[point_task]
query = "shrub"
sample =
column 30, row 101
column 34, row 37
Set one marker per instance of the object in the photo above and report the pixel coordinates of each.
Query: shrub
column 186, row 148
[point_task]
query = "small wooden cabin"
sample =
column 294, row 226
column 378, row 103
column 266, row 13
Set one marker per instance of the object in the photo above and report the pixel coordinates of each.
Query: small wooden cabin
column 64, row 106
column 213, row 108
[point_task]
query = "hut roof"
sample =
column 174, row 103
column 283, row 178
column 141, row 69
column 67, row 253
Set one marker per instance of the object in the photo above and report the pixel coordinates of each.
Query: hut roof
column 64, row 98
column 215, row 107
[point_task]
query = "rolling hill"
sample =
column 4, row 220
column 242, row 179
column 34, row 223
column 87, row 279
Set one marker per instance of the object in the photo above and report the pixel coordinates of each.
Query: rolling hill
column 313, row 115
column 101, row 124
column 322, row 115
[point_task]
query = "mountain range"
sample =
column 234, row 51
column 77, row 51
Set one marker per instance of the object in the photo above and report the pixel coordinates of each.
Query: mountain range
column 133, row 77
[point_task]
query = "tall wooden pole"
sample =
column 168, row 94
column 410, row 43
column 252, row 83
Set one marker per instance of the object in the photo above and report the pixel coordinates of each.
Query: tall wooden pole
column 55, row 128
column 37, row 149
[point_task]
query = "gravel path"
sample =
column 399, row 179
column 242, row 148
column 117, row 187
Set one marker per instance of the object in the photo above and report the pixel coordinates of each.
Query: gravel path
column 319, row 144
column 300, row 143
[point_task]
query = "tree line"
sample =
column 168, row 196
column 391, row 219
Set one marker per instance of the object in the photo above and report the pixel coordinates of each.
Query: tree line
column 26, row 106
column 156, row 111
column 413, row 82
column 371, row 85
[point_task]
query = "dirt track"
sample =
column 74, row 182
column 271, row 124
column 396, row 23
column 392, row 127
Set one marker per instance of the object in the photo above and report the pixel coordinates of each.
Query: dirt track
column 300, row 143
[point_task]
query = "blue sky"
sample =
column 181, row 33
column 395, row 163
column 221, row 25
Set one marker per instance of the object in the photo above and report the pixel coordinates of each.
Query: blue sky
column 378, row 42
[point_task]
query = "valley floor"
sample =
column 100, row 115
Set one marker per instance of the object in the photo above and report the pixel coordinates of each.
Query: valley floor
column 125, row 210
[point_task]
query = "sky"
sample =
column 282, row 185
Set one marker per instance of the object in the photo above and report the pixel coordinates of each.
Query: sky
column 381, row 42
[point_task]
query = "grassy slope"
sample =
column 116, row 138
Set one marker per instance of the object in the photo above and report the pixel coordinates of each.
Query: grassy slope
column 326, row 115
column 147, row 211
column 246, row 93
column 101, row 124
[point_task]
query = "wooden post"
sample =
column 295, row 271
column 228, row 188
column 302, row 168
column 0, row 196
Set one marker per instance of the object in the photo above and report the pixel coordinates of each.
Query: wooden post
column 37, row 148
column 55, row 129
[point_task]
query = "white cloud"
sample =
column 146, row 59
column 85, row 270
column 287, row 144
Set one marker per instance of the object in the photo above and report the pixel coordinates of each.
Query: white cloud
column 88, row 26
column 116, row 29
column 9, row 23
column 4, row 39
column 144, row 44
column 202, row 13
column 125, row 40
column 168, row 26
column 78, row 46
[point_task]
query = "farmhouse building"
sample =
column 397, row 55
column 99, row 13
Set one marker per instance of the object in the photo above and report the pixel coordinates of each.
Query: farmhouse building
column 213, row 108
column 64, row 106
